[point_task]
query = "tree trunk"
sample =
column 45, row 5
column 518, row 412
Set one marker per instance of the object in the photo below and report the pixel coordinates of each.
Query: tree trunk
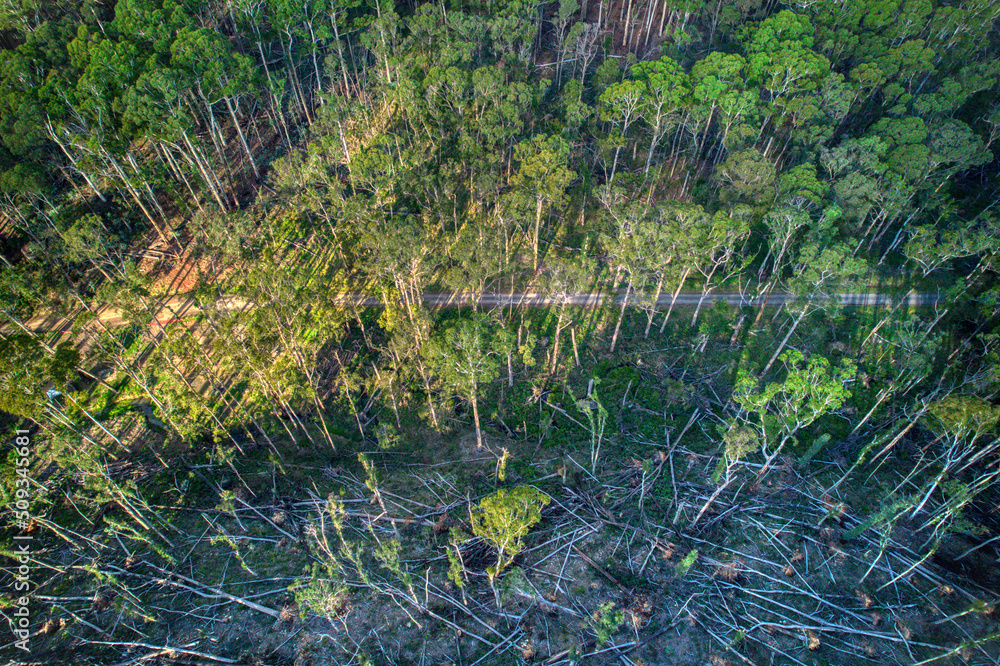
column 243, row 139
column 628, row 18
column 673, row 300
column 274, row 98
column 195, row 159
column 72, row 160
column 538, row 225
column 614, row 166
column 555, row 346
column 652, row 310
column 135, row 197
column 430, row 397
column 784, row 341
column 621, row 314
column 475, row 416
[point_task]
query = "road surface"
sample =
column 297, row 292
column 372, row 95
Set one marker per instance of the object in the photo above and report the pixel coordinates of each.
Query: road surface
column 179, row 308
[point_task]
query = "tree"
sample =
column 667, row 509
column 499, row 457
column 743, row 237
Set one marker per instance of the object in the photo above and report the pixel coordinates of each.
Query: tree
column 780, row 58
column 811, row 389
column 620, row 106
column 649, row 244
column 29, row 375
column 465, row 356
column 504, row 518
column 478, row 257
column 564, row 37
column 625, row 246
column 24, row 375
column 513, row 28
column 689, row 225
column 88, row 240
column 819, row 274
column 751, row 176
column 737, row 443
column 563, row 278
column 217, row 73
column 783, row 226
column 718, row 85
column 960, row 423
column 728, row 235
column 544, row 175
column 666, row 85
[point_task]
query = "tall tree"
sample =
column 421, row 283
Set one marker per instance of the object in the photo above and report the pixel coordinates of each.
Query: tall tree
column 466, row 355
column 543, row 175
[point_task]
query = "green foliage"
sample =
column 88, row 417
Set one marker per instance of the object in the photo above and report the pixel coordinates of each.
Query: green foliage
column 605, row 622
column 387, row 553
column 738, row 442
column 504, row 518
column 456, row 567
column 811, row 388
column 962, row 416
column 681, row 568
column 884, row 518
column 814, row 449
column 597, row 417
column 319, row 594
column 22, row 376
column 512, row 584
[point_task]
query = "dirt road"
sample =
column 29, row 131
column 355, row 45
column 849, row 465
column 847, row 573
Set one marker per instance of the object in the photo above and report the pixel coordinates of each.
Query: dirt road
column 179, row 308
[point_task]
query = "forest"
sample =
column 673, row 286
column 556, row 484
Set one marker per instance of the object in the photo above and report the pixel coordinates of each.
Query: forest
column 378, row 332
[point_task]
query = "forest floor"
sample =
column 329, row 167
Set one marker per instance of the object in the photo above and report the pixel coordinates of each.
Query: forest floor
column 614, row 572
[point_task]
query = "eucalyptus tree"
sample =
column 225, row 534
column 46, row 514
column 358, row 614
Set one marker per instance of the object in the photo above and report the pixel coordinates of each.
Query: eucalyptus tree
column 543, row 175
column 465, row 355
column 966, row 439
column 784, row 226
column 299, row 23
column 723, row 246
column 563, row 277
column 500, row 107
column 750, row 177
column 35, row 382
column 159, row 105
column 477, row 259
column 820, row 274
column 718, row 88
column 217, row 73
column 781, row 60
column 584, row 38
column 88, row 240
column 778, row 411
column 651, row 244
column 400, row 258
column 624, row 244
column 26, row 372
column 251, row 15
column 620, row 105
column 689, row 226
column 662, row 100
column 565, row 37
column 513, row 26
column 22, row 293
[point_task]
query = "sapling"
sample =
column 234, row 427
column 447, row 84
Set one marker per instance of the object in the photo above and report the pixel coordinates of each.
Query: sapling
column 597, row 418
column 387, row 552
column 606, row 621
